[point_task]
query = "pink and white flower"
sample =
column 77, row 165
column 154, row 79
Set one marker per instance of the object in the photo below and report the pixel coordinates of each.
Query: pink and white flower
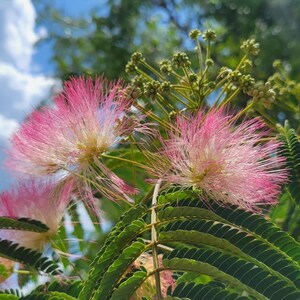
column 88, row 119
column 41, row 201
column 148, row 288
column 226, row 161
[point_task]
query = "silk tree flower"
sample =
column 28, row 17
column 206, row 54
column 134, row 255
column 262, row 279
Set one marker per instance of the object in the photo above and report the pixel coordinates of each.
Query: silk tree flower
column 88, row 119
column 42, row 201
column 227, row 162
column 148, row 288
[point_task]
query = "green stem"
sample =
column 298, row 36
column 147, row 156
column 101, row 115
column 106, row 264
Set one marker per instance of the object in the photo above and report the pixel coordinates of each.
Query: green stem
column 242, row 61
column 154, row 240
column 124, row 160
column 180, row 100
column 164, row 101
column 199, row 57
column 153, row 116
column 150, row 68
column 160, row 246
column 207, row 57
column 232, row 96
column 144, row 74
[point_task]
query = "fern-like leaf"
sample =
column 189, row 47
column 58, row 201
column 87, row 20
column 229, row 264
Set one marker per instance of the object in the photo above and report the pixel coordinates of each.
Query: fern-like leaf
column 27, row 256
column 291, row 150
column 22, row 224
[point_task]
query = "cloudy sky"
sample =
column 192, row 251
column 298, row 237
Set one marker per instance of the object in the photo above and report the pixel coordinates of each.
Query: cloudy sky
column 23, row 83
column 20, row 89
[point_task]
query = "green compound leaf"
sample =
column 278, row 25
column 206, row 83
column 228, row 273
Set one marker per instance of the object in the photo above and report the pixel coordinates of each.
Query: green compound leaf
column 233, row 270
column 193, row 291
column 128, row 287
column 291, row 150
column 252, row 223
column 117, row 268
column 22, row 224
column 235, row 241
column 27, row 256
column 8, row 297
column 242, row 250
column 48, row 296
column 124, row 232
column 71, row 288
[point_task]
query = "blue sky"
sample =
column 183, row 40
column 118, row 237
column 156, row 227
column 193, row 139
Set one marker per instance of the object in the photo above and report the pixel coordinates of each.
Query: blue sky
column 72, row 9
column 26, row 72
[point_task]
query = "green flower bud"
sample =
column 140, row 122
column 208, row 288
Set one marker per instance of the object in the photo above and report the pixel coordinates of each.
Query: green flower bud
column 193, row 78
column 165, row 86
column 165, row 66
column 151, row 89
column 138, row 81
column 194, row 34
column 209, row 35
column 209, row 62
column 247, row 82
column 250, row 46
column 130, row 68
column 137, row 57
column 180, row 60
column 235, row 77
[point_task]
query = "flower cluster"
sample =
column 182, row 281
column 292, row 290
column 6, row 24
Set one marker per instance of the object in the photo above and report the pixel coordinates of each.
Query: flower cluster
column 45, row 202
column 67, row 140
column 59, row 149
column 227, row 163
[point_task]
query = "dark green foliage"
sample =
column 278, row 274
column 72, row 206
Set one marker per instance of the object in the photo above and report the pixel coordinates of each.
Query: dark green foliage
column 119, row 266
column 16, row 293
column 48, row 296
column 8, row 297
column 210, row 291
column 291, row 150
column 22, row 224
column 242, row 250
column 128, row 287
column 71, row 288
column 125, row 230
column 28, row 256
column 230, row 268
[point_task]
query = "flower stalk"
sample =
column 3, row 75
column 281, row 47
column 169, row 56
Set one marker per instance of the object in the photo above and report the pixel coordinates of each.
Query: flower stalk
column 154, row 240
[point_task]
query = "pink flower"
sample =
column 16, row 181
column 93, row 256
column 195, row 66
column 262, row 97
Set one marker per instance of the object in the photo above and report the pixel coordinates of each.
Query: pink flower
column 88, row 119
column 226, row 161
column 148, row 288
column 42, row 201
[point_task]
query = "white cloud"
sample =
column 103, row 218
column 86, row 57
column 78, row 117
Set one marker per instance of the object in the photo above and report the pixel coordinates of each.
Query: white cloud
column 7, row 127
column 20, row 89
column 17, row 18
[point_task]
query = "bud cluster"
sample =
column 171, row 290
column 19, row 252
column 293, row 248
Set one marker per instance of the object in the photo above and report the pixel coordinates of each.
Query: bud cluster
column 262, row 92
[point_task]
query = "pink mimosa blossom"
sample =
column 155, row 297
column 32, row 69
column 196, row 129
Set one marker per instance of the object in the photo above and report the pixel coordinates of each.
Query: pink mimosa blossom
column 88, row 119
column 148, row 288
column 42, row 201
column 227, row 162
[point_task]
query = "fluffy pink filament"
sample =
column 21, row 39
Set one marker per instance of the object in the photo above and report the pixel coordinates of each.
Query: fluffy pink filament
column 148, row 288
column 227, row 162
column 42, row 201
column 88, row 119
